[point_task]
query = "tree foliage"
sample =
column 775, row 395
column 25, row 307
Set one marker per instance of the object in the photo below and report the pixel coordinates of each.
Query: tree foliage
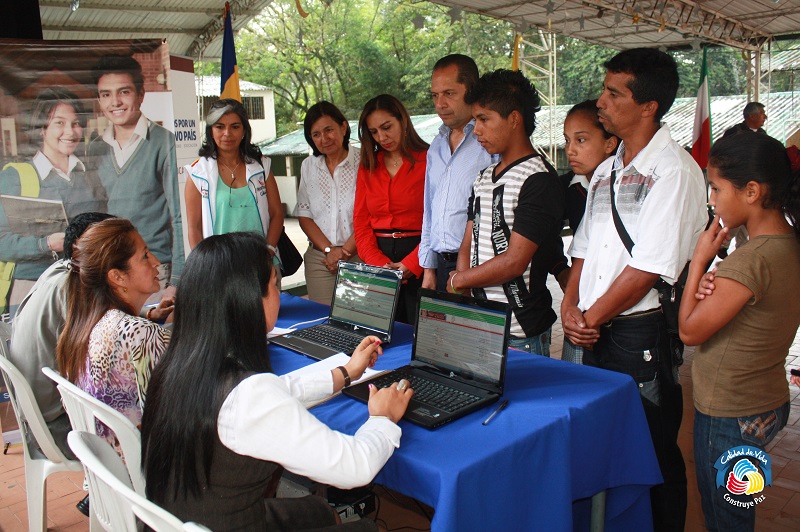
column 348, row 51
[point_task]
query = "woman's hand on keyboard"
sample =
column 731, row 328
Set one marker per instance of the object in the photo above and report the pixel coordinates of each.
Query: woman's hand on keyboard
column 390, row 402
column 365, row 355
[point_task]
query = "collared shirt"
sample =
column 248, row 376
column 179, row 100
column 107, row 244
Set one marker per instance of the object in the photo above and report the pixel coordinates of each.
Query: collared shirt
column 388, row 203
column 661, row 199
column 328, row 200
column 44, row 166
column 123, row 153
column 448, row 186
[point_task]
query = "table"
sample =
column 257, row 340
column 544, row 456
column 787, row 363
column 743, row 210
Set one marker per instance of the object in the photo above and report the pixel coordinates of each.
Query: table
column 568, row 433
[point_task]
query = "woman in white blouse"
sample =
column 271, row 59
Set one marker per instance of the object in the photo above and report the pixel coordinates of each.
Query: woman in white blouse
column 325, row 198
column 218, row 422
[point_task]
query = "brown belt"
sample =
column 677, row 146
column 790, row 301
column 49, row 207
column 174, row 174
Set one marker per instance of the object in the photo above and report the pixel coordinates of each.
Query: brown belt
column 398, row 234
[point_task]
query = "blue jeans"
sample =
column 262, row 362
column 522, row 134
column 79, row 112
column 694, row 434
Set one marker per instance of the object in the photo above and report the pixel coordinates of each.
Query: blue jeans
column 538, row 345
column 639, row 346
column 714, row 436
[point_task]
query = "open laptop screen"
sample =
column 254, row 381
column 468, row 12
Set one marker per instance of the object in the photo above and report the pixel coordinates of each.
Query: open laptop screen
column 469, row 339
column 350, row 302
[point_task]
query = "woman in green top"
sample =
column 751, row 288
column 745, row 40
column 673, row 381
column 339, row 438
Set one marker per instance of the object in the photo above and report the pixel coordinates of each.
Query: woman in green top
column 231, row 187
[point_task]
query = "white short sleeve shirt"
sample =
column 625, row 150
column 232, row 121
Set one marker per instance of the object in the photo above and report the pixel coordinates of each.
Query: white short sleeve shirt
column 326, row 199
column 661, row 199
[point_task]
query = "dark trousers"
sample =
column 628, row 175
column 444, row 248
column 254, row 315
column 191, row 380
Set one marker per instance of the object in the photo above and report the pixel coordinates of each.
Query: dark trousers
column 639, row 346
column 443, row 271
column 397, row 249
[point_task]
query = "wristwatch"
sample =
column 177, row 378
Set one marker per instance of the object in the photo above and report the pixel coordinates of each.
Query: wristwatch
column 327, row 250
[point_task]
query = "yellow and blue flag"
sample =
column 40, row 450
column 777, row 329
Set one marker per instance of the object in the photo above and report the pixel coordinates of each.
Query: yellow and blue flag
column 229, row 82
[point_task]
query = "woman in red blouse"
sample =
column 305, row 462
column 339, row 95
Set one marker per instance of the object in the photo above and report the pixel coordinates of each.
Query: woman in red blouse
column 387, row 219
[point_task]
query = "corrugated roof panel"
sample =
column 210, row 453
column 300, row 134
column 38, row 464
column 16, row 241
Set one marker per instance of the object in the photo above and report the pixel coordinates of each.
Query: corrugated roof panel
column 726, row 111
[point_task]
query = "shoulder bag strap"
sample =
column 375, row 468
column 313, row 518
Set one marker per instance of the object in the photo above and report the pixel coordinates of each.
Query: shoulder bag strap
column 621, row 231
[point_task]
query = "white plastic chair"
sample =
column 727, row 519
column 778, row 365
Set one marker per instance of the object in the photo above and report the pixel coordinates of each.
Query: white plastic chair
column 42, row 455
column 82, row 410
column 108, row 481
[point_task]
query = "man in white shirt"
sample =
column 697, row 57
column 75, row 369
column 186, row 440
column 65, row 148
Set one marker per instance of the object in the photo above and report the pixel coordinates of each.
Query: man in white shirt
column 610, row 307
column 454, row 160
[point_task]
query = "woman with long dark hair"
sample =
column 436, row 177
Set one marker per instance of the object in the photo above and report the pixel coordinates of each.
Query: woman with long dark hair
column 744, row 318
column 231, row 187
column 218, row 422
column 106, row 349
column 389, row 195
column 325, row 198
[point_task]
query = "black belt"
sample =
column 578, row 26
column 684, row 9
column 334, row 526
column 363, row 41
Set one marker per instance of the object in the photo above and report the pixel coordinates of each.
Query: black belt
column 448, row 256
column 633, row 316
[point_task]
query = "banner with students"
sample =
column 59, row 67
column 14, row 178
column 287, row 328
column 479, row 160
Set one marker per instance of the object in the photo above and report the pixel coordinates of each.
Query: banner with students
column 85, row 126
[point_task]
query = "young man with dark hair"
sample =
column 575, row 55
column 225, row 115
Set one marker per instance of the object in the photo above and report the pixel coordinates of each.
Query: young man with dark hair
column 136, row 162
column 514, row 214
column 454, row 160
column 611, row 308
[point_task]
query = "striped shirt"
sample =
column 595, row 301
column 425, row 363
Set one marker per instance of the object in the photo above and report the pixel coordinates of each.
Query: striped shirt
column 527, row 198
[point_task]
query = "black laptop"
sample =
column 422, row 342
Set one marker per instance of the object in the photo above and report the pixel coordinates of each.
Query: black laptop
column 364, row 303
column 458, row 359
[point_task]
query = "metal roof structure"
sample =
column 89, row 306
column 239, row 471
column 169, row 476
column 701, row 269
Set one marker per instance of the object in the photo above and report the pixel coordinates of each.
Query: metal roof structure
column 726, row 111
column 622, row 24
column 193, row 28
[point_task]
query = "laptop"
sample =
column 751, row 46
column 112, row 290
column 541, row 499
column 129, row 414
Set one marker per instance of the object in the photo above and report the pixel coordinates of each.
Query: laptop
column 364, row 303
column 458, row 359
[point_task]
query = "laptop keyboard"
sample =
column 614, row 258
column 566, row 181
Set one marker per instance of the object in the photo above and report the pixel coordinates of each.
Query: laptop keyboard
column 330, row 337
column 429, row 392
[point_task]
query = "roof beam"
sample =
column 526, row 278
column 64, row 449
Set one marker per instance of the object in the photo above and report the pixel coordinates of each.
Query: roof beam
column 134, row 7
column 158, row 32
column 689, row 18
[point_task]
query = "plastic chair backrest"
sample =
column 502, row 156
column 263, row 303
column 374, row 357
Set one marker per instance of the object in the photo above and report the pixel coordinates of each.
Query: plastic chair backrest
column 83, row 409
column 106, row 470
column 29, row 416
column 42, row 456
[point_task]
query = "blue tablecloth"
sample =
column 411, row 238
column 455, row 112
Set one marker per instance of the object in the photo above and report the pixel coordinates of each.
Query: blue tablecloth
column 568, row 432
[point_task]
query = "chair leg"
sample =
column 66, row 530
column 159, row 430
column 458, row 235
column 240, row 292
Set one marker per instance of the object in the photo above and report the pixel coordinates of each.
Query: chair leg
column 36, row 485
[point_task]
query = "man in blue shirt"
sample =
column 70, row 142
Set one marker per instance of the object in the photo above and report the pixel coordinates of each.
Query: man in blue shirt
column 454, row 160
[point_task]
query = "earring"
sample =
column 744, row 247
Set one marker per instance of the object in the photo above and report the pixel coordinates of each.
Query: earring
column 125, row 289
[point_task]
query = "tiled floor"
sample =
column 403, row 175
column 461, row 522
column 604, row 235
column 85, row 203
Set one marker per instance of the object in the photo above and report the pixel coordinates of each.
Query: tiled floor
column 778, row 513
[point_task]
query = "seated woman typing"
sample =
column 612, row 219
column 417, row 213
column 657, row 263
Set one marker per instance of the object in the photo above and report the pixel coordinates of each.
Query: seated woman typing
column 105, row 348
column 218, row 422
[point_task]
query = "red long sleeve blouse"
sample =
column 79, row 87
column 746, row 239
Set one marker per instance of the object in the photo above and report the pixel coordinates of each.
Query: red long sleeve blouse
column 384, row 202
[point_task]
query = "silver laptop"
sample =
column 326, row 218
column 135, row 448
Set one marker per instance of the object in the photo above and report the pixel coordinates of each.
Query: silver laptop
column 458, row 361
column 364, row 303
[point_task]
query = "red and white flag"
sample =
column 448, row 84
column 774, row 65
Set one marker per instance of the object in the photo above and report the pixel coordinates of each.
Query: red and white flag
column 701, row 135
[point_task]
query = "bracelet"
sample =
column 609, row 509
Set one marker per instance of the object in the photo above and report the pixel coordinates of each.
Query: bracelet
column 346, row 376
column 453, row 288
column 272, row 248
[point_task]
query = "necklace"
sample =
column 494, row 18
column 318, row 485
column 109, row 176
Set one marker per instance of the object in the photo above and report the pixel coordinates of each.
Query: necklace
column 233, row 172
column 395, row 162
column 233, row 178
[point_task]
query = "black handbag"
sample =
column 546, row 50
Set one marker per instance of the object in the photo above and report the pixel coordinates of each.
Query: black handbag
column 290, row 258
